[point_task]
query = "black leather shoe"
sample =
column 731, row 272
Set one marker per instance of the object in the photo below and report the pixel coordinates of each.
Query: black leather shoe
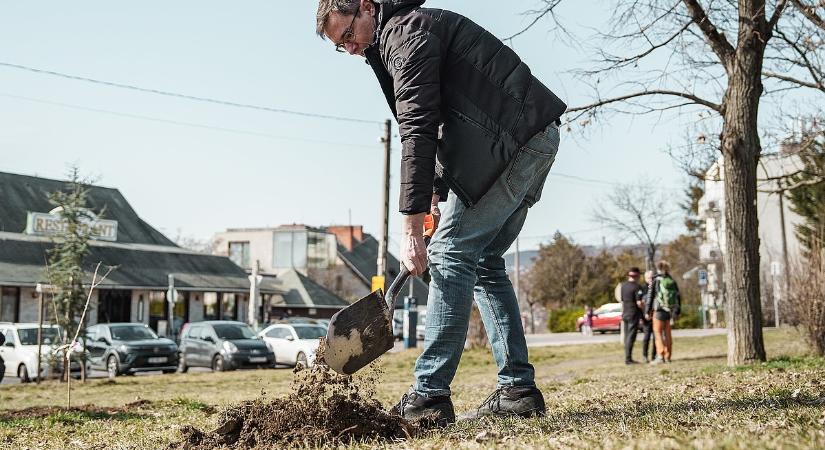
column 521, row 401
column 427, row 412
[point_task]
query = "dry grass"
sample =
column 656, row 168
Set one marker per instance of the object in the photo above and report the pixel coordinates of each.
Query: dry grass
column 594, row 401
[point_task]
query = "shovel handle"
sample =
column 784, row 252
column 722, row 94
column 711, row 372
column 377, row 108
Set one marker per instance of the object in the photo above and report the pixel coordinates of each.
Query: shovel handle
column 398, row 282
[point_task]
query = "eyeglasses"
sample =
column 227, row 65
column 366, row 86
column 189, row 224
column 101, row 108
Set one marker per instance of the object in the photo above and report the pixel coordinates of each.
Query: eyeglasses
column 348, row 34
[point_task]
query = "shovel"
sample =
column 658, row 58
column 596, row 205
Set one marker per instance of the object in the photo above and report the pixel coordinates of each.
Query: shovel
column 361, row 332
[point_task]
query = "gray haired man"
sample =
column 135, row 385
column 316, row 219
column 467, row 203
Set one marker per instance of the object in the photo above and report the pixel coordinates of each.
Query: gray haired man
column 480, row 133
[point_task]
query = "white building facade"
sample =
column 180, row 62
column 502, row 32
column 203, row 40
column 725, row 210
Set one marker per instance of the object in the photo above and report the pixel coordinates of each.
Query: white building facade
column 778, row 245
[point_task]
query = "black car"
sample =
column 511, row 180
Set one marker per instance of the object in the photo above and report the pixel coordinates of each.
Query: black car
column 222, row 345
column 127, row 348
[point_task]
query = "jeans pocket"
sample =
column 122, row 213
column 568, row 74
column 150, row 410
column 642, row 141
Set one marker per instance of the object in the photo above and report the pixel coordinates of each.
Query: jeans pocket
column 533, row 160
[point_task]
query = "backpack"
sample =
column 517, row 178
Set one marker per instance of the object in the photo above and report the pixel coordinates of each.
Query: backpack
column 667, row 294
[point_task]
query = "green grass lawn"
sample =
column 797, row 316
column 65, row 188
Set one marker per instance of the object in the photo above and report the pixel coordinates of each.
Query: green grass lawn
column 593, row 400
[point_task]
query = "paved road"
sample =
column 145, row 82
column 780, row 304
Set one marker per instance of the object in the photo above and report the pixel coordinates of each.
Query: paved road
column 103, row 374
column 557, row 339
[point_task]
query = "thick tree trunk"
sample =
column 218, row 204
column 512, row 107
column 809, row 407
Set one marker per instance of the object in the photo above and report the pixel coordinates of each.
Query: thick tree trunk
column 741, row 149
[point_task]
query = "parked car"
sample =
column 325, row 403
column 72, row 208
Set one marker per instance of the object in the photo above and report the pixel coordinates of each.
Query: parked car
column 223, row 345
column 607, row 317
column 128, row 348
column 294, row 343
column 20, row 351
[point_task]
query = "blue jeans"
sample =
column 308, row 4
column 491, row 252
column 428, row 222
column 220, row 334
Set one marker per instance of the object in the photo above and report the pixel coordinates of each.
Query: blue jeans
column 465, row 259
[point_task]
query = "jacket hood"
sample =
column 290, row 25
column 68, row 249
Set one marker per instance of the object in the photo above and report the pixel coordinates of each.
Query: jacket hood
column 390, row 7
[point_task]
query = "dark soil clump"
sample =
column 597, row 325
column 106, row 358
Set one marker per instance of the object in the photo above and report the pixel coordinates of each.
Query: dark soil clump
column 88, row 411
column 324, row 409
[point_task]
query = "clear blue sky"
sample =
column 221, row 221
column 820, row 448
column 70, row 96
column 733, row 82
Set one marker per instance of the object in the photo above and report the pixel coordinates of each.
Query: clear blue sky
column 199, row 180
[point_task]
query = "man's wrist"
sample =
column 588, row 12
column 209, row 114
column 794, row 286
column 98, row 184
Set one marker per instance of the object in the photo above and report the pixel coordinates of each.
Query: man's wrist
column 414, row 224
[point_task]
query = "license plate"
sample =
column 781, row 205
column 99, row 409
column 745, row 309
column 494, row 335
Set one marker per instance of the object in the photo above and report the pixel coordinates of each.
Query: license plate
column 257, row 359
column 158, row 359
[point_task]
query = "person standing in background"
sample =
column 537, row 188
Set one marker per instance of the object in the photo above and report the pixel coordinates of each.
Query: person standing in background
column 663, row 304
column 631, row 296
column 647, row 324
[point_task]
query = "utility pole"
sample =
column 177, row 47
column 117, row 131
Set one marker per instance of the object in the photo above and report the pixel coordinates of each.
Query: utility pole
column 254, row 294
column 39, row 290
column 381, row 269
column 787, row 270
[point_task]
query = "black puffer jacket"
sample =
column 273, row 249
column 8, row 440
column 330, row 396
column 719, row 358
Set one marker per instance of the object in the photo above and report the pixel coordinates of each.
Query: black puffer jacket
column 438, row 68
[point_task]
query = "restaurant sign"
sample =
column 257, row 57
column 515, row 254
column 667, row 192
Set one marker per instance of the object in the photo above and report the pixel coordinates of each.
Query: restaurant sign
column 51, row 224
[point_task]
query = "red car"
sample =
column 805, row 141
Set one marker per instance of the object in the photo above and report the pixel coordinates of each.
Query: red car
column 607, row 317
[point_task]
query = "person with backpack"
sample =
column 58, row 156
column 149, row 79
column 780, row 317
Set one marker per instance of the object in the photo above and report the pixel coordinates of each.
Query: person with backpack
column 663, row 303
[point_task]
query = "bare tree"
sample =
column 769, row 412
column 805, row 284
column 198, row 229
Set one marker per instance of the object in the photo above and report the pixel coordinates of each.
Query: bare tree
column 639, row 210
column 690, row 55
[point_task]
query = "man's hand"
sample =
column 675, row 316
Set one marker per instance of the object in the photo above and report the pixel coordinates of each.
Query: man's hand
column 413, row 249
column 647, row 317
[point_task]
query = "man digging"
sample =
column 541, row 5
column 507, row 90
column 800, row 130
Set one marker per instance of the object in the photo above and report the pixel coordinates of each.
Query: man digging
column 476, row 123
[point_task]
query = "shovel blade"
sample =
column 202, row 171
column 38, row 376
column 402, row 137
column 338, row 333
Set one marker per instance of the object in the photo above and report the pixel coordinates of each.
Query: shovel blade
column 359, row 334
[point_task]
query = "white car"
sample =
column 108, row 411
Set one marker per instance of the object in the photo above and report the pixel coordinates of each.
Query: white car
column 294, row 343
column 20, row 350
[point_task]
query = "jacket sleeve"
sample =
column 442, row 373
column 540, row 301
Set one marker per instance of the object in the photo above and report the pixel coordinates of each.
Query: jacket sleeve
column 413, row 59
column 649, row 296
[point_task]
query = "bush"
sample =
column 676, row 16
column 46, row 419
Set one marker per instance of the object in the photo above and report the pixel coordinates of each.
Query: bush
column 806, row 301
column 690, row 317
column 564, row 319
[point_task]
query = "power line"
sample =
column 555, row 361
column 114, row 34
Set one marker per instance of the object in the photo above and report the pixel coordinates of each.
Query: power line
column 188, row 97
column 180, row 123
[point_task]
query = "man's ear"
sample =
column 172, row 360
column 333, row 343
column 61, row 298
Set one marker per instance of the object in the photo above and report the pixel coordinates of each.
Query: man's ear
column 369, row 7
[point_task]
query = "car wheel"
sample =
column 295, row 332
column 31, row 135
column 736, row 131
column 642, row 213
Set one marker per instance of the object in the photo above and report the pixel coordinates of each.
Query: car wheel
column 23, row 374
column 112, row 367
column 601, row 331
column 218, row 364
column 168, row 371
column 182, row 367
column 301, row 360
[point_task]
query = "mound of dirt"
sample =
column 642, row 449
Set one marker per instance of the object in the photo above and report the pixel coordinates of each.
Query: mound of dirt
column 324, row 408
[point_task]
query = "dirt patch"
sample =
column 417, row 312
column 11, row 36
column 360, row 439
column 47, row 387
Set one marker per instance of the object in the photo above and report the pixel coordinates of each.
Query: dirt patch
column 85, row 411
column 324, row 408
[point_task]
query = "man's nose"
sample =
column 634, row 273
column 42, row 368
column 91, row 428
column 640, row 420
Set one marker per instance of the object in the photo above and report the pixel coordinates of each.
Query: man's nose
column 352, row 48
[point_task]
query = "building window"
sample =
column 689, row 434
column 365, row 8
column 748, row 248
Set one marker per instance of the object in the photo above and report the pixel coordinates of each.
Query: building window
column 210, row 306
column 140, row 308
column 229, row 306
column 290, row 249
column 239, row 254
column 9, row 304
column 302, row 249
column 321, row 250
column 157, row 309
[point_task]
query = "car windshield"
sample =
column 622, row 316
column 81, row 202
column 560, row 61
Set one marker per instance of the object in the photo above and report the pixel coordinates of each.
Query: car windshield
column 233, row 331
column 28, row 336
column 608, row 309
column 132, row 333
column 314, row 332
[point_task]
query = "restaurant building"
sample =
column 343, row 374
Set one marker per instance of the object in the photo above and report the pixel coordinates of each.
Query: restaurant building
column 205, row 287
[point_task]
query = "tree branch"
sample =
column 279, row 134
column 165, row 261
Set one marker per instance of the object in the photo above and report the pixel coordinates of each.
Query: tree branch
column 694, row 99
column 547, row 10
column 777, row 13
column 717, row 40
column 793, row 80
column 810, row 13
